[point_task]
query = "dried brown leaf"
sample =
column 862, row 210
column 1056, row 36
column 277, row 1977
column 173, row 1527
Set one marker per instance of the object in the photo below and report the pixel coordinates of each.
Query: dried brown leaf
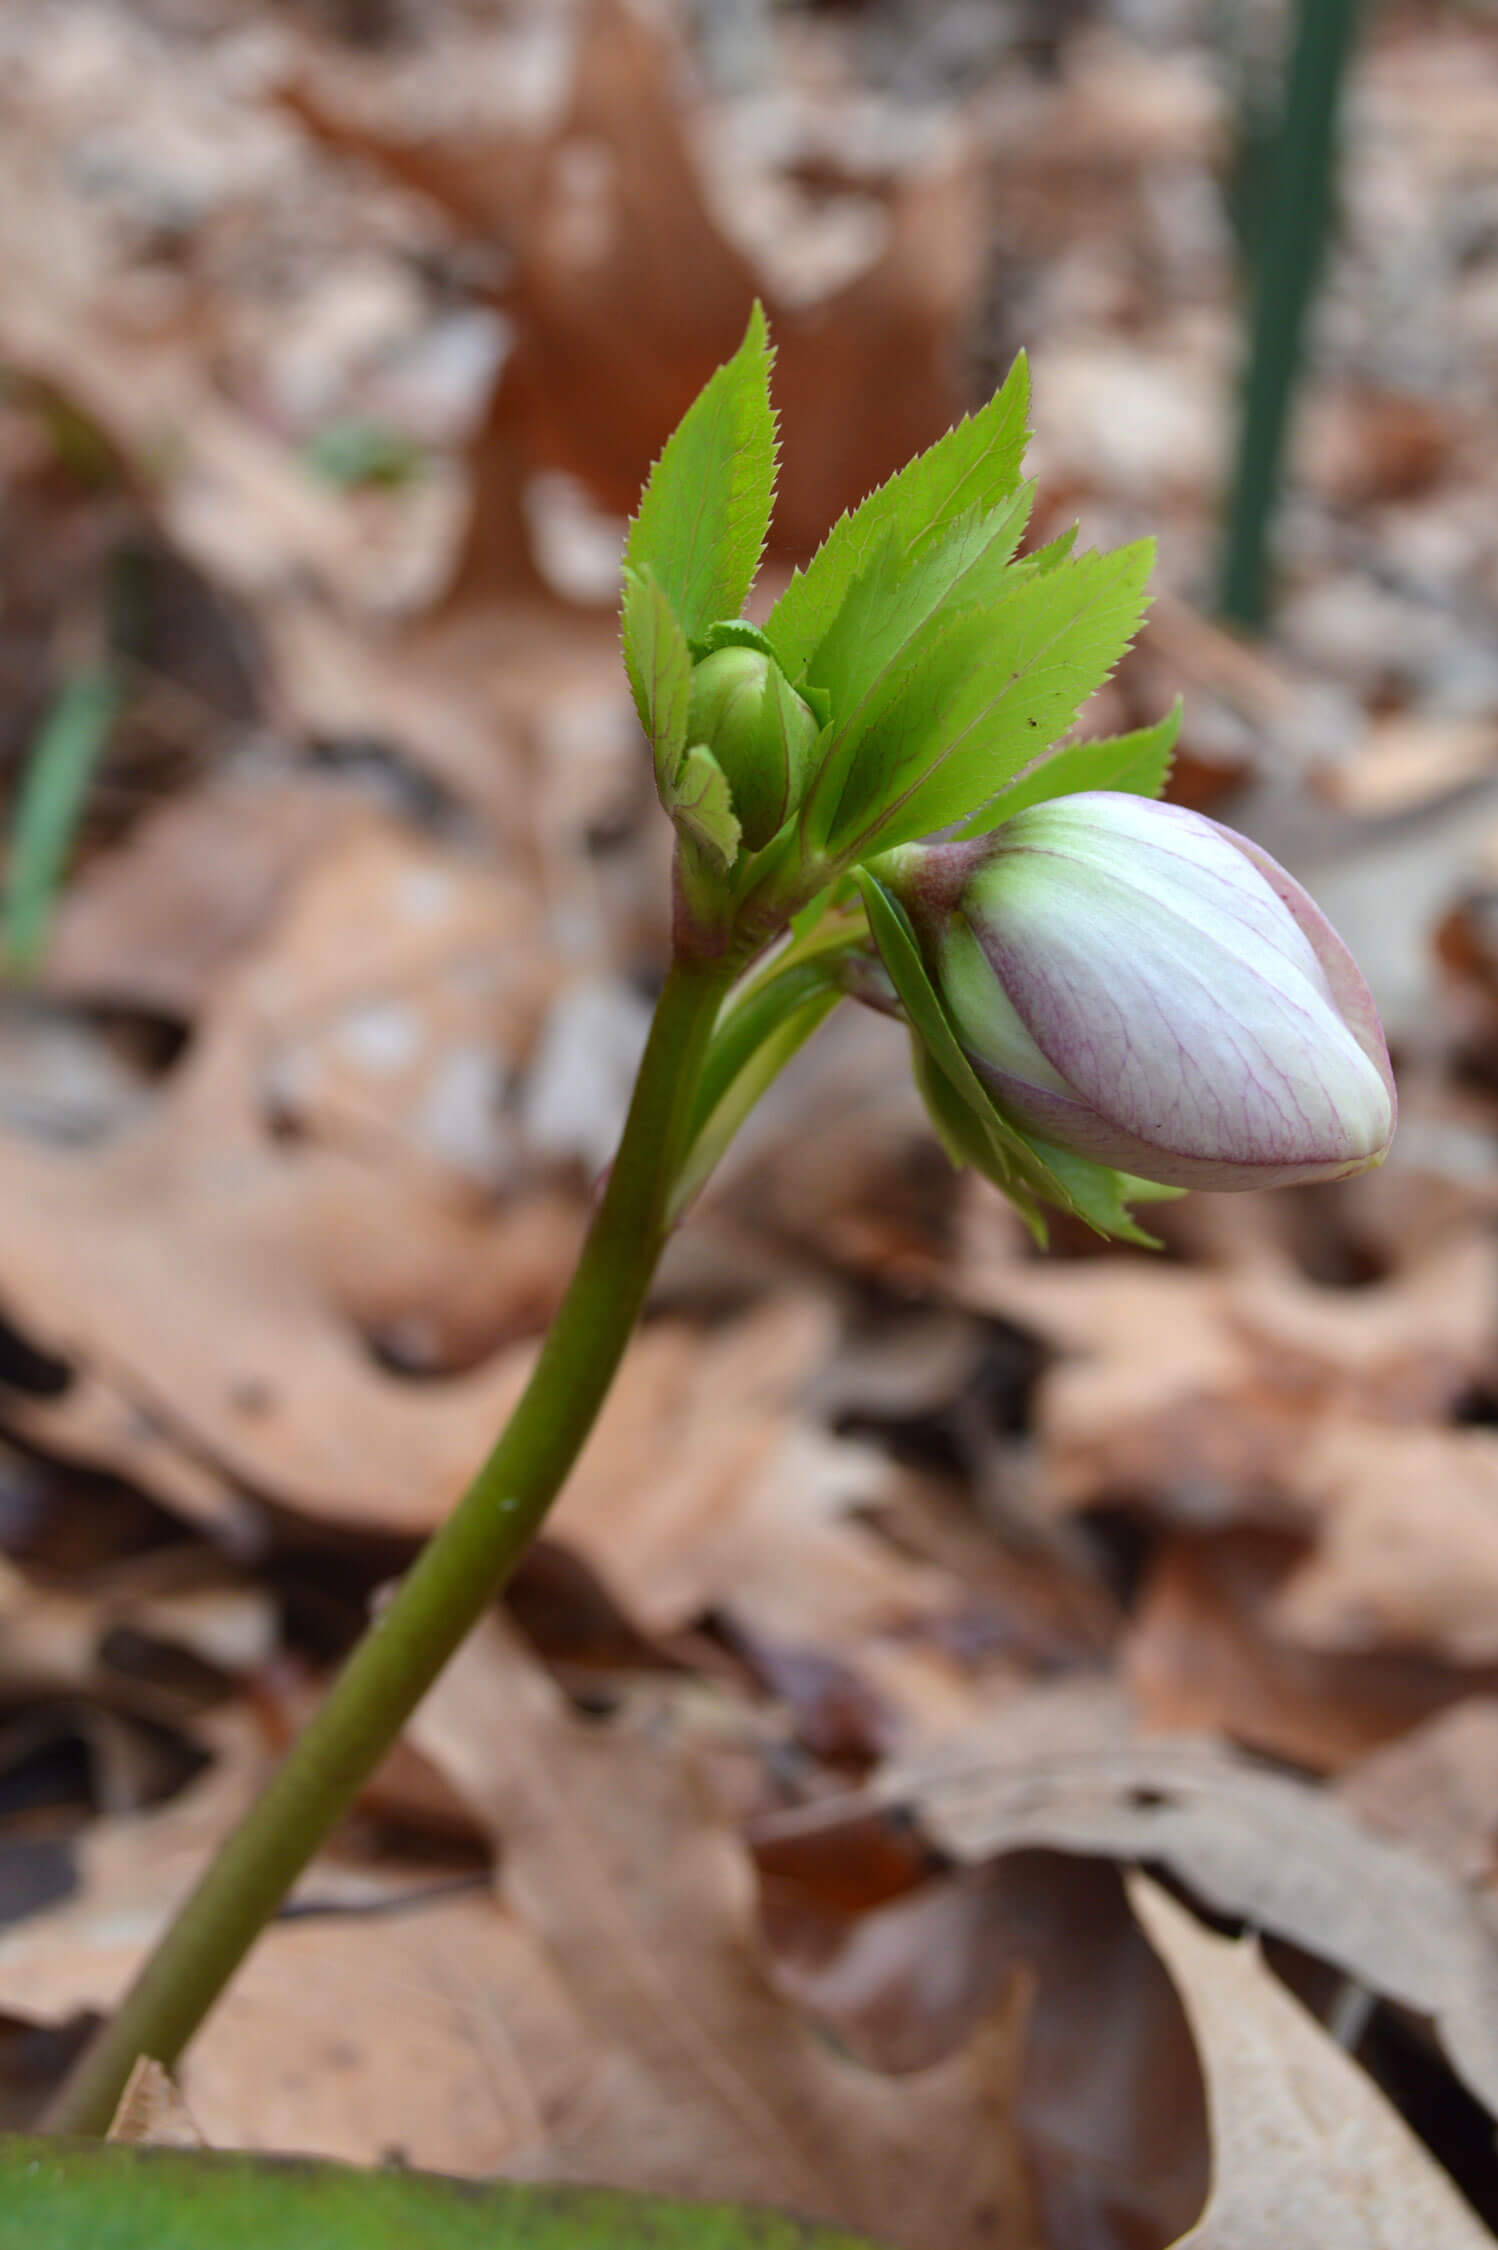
column 1305, row 2148
column 1207, row 1650
column 1056, row 1769
column 157, row 922
column 1407, row 1552
column 1202, row 1388
column 382, row 2017
column 151, row 2112
column 1437, row 1788
column 698, row 2079
column 205, row 1278
column 1109, row 2097
column 643, row 226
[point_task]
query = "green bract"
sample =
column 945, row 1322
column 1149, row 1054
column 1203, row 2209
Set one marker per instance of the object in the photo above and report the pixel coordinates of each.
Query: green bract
column 938, row 664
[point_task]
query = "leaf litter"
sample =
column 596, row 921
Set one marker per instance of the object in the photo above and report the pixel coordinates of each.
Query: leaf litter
column 912, row 1591
column 1303, row 2142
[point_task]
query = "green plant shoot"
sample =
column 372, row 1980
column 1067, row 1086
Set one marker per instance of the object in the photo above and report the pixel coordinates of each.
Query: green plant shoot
column 875, row 795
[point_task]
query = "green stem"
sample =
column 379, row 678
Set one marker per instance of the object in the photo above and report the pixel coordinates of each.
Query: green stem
column 1288, row 245
column 807, row 969
column 447, row 1589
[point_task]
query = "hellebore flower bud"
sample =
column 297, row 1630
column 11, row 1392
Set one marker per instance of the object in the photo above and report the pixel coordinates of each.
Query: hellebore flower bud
column 1143, row 987
column 761, row 733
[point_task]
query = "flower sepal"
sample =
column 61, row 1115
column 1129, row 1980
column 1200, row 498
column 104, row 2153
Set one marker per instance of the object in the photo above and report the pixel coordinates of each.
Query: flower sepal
column 968, row 1123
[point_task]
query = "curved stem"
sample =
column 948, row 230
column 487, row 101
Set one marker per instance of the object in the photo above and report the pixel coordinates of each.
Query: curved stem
column 755, row 1012
column 448, row 1587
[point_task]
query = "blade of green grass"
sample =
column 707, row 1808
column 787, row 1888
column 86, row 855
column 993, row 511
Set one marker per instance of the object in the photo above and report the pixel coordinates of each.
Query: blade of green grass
column 49, row 805
column 1289, row 237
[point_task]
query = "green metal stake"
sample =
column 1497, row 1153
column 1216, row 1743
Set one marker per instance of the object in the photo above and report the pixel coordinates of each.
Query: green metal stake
column 1289, row 245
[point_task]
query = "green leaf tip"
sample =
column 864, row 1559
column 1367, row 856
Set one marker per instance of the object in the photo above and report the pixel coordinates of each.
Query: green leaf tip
column 970, row 471
column 975, row 694
column 704, row 515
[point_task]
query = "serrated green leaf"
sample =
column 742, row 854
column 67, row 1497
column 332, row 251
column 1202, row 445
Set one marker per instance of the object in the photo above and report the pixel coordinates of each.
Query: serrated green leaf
column 1045, row 558
column 705, row 512
column 1138, row 763
column 969, row 471
column 818, row 701
column 659, row 665
column 893, row 615
column 977, row 693
column 701, row 804
column 888, row 604
column 61, row 2195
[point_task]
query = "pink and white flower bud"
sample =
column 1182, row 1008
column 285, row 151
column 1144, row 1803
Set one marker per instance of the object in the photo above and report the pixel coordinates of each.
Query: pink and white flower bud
column 1142, row 986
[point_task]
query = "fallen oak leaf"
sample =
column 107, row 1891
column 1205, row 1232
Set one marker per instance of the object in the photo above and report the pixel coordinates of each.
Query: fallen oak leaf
column 1060, row 1769
column 155, row 922
column 642, row 226
column 193, row 1270
column 390, row 2008
column 1202, row 1387
column 1437, row 1788
column 1109, row 2098
column 1407, row 1546
column 698, row 2079
column 1206, row 1651
column 1306, row 2150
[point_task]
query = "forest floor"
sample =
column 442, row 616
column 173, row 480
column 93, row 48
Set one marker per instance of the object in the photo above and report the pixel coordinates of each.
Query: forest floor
column 782, row 1839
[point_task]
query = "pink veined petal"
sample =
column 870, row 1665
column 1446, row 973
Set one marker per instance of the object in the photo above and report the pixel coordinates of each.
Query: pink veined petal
column 1354, row 1002
column 1202, row 1023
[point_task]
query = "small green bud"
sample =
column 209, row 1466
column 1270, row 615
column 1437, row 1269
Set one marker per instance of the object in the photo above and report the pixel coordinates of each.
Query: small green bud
column 761, row 733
